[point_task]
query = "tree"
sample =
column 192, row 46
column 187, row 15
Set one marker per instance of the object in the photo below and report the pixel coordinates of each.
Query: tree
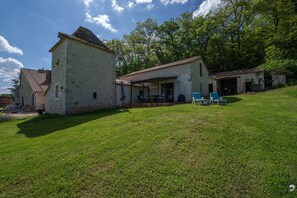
column 15, row 83
column 276, row 62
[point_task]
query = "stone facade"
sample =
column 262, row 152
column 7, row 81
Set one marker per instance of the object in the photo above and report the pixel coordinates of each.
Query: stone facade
column 278, row 79
column 188, row 78
column 242, row 82
column 83, row 79
column 33, row 85
column 27, row 96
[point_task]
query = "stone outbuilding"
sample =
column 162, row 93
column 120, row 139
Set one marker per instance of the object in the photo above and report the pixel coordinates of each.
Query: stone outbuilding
column 83, row 74
column 237, row 81
column 33, row 87
column 278, row 79
column 170, row 81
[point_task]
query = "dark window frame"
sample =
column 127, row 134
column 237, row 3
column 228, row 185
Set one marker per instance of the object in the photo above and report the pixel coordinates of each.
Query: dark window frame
column 57, row 91
column 94, row 95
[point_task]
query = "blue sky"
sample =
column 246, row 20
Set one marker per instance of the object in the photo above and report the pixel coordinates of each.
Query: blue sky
column 29, row 28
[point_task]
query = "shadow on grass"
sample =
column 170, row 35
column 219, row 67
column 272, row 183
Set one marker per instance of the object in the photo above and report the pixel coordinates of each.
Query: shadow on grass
column 232, row 99
column 46, row 124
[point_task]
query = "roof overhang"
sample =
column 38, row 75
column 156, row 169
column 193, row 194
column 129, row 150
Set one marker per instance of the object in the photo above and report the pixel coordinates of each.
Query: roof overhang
column 64, row 36
column 154, row 79
column 224, row 77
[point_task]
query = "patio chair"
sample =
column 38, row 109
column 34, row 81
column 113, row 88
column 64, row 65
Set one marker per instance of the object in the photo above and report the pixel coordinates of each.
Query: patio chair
column 140, row 99
column 196, row 98
column 214, row 97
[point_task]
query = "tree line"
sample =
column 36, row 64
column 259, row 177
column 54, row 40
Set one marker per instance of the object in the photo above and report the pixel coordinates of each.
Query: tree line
column 239, row 34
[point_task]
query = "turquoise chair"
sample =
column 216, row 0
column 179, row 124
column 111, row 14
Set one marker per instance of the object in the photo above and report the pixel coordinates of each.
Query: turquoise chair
column 196, row 98
column 214, row 97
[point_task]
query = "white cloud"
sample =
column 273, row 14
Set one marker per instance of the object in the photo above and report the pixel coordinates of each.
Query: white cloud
column 143, row 1
column 87, row 2
column 4, row 89
column 150, row 6
column 9, row 68
column 6, row 47
column 102, row 20
column 206, row 6
column 116, row 6
column 166, row 2
column 131, row 4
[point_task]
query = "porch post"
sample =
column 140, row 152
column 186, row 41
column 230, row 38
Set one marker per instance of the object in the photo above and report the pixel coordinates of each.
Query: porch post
column 131, row 93
column 143, row 90
column 158, row 91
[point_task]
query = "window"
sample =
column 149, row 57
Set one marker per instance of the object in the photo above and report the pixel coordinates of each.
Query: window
column 94, row 95
column 200, row 69
column 57, row 91
column 140, row 92
column 32, row 101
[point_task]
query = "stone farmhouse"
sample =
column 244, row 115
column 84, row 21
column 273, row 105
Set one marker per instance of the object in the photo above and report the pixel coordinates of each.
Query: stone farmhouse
column 242, row 81
column 82, row 79
column 33, row 87
column 237, row 81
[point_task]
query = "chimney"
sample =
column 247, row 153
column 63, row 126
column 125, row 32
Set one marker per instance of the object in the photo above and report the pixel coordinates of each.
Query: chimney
column 40, row 70
column 48, row 75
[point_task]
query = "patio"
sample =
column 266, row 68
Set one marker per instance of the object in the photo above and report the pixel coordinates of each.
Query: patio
column 161, row 95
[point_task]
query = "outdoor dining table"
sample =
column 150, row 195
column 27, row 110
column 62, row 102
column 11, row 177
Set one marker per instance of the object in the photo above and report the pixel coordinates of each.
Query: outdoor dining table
column 156, row 98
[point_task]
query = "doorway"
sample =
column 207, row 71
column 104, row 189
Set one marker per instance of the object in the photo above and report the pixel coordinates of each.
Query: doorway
column 210, row 87
column 228, row 86
column 248, row 87
column 168, row 91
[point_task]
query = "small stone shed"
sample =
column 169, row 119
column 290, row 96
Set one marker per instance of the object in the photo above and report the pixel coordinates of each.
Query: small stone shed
column 33, row 87
column 172, row 79
column 237, row 81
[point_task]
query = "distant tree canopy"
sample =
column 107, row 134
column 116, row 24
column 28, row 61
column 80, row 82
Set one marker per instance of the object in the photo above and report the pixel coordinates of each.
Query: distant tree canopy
column 240, row 34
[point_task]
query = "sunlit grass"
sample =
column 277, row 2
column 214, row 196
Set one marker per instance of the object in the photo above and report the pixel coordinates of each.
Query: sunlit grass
column 247, row 148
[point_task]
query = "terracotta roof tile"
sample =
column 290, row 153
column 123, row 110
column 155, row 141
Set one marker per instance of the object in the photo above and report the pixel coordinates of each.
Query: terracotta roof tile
column 37, row 79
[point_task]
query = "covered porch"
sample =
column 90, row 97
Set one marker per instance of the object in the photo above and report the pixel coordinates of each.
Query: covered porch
column 160, row 92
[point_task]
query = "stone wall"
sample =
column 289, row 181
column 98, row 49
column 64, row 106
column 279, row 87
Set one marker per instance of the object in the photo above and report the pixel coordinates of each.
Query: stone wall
column 25, row 92
column 278, row 79
column 27, row 95
column 53, row 104
column 187, row 79
column 256, row 78
column 83, row 79
column 90, row 78
column 200, row 82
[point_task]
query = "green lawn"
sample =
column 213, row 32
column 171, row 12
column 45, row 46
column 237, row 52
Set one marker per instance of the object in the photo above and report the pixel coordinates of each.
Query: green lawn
column 245, row 149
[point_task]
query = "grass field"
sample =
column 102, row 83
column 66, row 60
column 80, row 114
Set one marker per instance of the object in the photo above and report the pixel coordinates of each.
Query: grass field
column 245, row 149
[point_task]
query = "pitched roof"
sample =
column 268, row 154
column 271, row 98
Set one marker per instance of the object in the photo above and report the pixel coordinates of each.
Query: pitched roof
column 88, row 36
column 37, row 79
column 236, row 72
column 181, row 62
column 82, row 35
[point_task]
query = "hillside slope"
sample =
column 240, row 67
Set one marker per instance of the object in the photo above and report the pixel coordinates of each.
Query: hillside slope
column 247, row 148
